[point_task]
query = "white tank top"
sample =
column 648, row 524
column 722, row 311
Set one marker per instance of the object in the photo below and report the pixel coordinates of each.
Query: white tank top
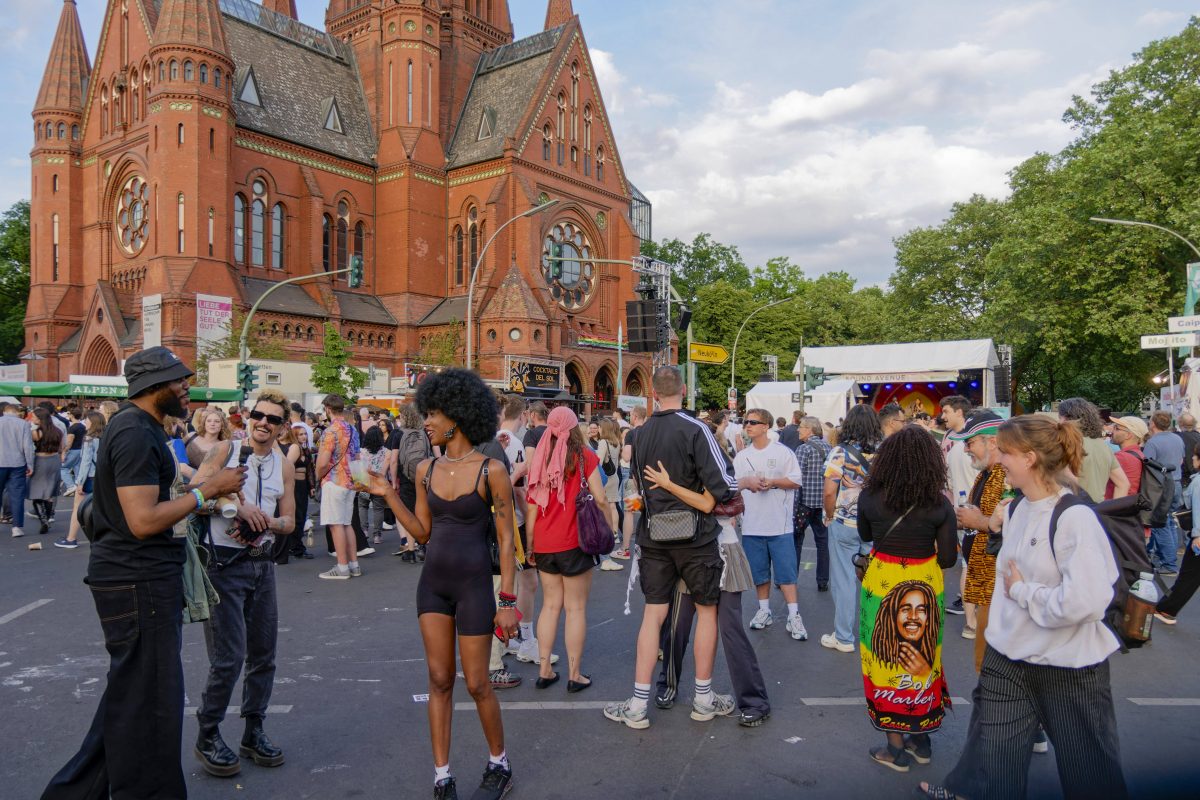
column 263, row 488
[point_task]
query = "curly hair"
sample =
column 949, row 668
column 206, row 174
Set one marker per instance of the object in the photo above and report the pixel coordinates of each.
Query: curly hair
column 1085, row 414
column 861, row 428
column 410, row 418
column 463, row 397
column 886, row 639
column 909, row 470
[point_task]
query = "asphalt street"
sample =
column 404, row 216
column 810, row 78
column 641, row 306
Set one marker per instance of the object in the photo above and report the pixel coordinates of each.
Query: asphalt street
column 348, row 710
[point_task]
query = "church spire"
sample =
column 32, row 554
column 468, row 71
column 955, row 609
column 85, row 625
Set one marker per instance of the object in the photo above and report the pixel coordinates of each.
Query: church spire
column 285, row 7
column 558, row 12
column 191, row 22
column 67, row 70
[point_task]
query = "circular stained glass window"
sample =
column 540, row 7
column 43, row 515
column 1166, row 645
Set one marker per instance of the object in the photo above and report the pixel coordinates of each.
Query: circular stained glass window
column 567, row 266
column 133, row 216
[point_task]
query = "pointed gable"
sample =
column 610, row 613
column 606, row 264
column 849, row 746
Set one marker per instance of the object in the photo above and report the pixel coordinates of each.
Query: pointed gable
column 64, row 83
column 514, row 300
column 196, row 23
column 249, row 93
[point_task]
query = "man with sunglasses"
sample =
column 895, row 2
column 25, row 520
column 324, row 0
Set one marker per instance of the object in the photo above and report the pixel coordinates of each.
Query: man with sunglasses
column 243, row 626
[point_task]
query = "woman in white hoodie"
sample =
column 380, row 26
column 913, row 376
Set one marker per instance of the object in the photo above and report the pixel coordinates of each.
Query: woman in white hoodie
column 1047, row 657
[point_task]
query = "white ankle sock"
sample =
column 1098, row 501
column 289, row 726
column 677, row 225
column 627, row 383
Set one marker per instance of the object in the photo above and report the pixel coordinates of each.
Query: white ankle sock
column 704, row 690
column 793, row 609
column 764, row 605
column 641, row 695
column 441, row 773
column 343, row 569
column 526, row 630
column 352, row 565
column 500, row 760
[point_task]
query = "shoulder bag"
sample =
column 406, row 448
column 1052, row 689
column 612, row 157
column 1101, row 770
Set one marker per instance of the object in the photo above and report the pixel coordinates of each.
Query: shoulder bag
column 595, row 536
column 862, row 561
column 667, row 526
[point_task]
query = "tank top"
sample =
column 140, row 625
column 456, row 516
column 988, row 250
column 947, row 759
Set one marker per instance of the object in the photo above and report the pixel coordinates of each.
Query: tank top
column 263, row 488
column 459, row 530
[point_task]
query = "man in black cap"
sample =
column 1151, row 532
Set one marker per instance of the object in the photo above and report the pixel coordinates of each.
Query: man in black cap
column 135, row 572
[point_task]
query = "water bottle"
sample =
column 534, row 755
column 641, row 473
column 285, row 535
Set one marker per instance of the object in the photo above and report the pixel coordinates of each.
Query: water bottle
column 962, row 499
column 1139, row 608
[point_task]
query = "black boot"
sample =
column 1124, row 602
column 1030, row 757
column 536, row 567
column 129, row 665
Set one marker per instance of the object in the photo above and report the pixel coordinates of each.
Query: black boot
column 215, row 755
column 257, row 746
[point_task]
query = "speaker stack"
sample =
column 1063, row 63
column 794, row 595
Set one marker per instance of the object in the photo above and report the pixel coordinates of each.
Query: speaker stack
column 647, row 323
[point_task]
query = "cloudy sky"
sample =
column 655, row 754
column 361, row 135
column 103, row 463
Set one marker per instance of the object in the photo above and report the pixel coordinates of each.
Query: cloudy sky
column 813, row 129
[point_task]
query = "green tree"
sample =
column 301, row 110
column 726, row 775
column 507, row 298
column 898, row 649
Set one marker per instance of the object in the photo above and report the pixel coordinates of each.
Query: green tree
column 699, row 264
column 14, row 279
column 331, row 371
column 261, row 346
column 442, row 348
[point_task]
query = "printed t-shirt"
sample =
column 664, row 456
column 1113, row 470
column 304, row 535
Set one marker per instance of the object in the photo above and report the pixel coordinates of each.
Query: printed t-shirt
column 768, row 513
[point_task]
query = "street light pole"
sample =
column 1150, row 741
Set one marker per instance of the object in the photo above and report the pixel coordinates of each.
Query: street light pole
column 733, row 355
column 243, row 343
column 475, row 269
column 1137, row 224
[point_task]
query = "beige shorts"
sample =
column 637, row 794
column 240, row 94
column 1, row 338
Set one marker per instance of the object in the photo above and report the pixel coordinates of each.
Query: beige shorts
column 337, row 504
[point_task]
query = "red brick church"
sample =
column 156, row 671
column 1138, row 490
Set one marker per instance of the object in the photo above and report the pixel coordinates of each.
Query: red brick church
column 216, row 147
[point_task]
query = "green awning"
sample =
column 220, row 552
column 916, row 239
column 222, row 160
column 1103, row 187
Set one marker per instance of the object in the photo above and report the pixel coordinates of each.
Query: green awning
column 51, row 389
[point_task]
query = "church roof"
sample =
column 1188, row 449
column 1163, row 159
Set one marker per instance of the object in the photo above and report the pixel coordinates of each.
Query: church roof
column 68, row 68
column 452, row 309
column 190, row 22
column 514, row 300
column 287, row 299
column 363, row 308
column 504, row 85
column 295, row 78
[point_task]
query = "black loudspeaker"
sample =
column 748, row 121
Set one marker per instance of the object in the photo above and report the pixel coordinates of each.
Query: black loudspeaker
column 1003, row 378
column 647, row 323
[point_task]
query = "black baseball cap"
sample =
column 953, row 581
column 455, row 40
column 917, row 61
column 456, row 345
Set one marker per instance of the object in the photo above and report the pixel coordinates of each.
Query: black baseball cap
column 151, row 367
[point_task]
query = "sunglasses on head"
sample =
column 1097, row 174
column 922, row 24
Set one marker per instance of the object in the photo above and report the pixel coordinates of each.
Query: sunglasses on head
column 272, row 419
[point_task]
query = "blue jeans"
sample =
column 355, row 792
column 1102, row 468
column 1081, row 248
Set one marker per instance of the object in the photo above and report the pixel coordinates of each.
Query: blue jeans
column 814, row 518
column 242, row 629
column 132, row 748
column 69, row 465
column 844, row 544
column 1164, row 541
column 13, row 478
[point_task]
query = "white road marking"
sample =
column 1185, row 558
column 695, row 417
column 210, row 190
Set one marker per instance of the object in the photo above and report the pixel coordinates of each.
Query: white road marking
column 424, row 698
column 1165, row 701
column 549, row 705
column 793, row 740
column 189, row 710
column 9, row 617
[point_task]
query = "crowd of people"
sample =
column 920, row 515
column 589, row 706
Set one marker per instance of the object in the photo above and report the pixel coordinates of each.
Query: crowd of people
column 498, row 501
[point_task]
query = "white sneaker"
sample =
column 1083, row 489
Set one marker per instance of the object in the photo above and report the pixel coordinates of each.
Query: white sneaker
column 387, row 526
column 621, row 712
column 830, row 641
column 334, row 575
column 367, row 551
column 355, row 572
column 70, row 491
column 17, row 532
column 308, row 525
column 527, row 653
column 722, row 705
column 968, row 633
column 795, row 626
column 608, row 565
column 762, row 619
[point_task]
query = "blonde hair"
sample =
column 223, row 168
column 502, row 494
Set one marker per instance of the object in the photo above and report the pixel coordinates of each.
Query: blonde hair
column 275, row 398
column 1057, row 446
column 204, row 414
column 608, row 432
column 108, row 408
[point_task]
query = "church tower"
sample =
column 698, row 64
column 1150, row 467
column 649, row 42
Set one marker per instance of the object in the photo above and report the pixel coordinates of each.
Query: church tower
column 56, row 204
column 189, row 156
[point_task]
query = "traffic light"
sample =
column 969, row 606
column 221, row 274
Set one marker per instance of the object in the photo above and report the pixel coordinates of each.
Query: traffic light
column 556, row 264
column 247, row 378
column 813, row 377
column 356, row 271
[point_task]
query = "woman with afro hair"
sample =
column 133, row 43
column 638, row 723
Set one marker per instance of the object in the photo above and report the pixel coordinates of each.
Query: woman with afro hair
column 461, row 495
column 904, row 513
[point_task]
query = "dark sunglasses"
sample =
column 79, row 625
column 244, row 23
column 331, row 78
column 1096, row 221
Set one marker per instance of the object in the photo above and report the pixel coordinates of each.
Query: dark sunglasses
column 755, row 422
column 257, row 415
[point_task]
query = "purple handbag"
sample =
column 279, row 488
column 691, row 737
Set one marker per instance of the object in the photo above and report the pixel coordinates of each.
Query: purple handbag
column 595, row 536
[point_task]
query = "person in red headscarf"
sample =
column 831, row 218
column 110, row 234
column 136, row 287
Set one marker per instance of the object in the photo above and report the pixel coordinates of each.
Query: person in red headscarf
column 556, row 476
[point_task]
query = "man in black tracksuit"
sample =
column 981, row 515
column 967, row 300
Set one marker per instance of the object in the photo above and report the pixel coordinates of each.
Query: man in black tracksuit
column 691, row 456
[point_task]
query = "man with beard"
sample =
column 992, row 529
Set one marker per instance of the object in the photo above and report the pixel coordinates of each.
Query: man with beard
column 244, row 625
column 135, row 572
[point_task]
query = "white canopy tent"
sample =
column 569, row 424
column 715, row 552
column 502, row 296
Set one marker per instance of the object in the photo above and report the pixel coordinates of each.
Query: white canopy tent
column 781, row 398
column 832, row 400
column 932, row 362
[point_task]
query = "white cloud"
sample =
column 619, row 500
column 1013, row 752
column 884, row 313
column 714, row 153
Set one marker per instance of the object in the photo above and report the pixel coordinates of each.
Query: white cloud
column 1012, row 18
column 619, row 95
column 1158, row 18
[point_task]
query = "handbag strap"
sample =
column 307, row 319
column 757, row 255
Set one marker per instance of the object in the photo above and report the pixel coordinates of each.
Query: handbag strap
column 899, row 519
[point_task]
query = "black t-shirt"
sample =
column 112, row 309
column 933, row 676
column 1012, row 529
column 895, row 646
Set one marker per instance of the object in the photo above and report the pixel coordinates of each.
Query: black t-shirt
column 393, row 439
column 78, row 430
column 916, row 536
column 533, row 436
column 133, row 452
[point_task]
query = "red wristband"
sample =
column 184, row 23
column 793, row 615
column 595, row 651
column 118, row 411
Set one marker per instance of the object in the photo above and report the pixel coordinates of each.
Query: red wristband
column 507, row 596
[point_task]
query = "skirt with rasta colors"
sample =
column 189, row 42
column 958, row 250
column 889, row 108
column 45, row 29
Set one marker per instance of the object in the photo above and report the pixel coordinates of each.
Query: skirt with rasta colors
column 900, row 635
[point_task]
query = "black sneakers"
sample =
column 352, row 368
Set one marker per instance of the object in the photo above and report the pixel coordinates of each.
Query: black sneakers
column 956, row 607
column 496, row 783
column 445, row 790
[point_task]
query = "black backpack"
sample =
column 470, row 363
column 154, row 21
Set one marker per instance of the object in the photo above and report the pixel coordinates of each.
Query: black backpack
column 1121, row 519
column 1156, row 494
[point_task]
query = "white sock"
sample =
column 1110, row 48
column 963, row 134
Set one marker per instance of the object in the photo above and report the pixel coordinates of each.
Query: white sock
column 352, row 565
column 343, row 569
column 500, row 760
column 526, row 630
column 764, row 605
column 441, row 773
column 704, row 690
column 793, row 609
column 641, row 694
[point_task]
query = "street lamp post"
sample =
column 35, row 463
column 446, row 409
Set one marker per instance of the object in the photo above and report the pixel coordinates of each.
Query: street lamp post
column 733, row 355
column 475, row 269
column 1138, row 224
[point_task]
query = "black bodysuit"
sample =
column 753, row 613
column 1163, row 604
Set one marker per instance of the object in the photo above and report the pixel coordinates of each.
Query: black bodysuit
column 457, row 577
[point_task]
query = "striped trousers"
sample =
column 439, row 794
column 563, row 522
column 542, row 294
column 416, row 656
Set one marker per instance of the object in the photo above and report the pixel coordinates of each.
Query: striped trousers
column 1074, row 706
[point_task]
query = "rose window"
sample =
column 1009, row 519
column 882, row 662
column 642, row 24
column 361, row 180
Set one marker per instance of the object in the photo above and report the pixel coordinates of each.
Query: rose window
column 133, row 217
column 567, row 266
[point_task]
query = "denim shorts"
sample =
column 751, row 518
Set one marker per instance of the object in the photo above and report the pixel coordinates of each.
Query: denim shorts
column 765, row 552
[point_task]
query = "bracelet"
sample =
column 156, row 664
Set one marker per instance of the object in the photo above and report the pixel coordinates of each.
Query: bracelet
column 505, row 596
column 199, row 499
column 507, row 604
